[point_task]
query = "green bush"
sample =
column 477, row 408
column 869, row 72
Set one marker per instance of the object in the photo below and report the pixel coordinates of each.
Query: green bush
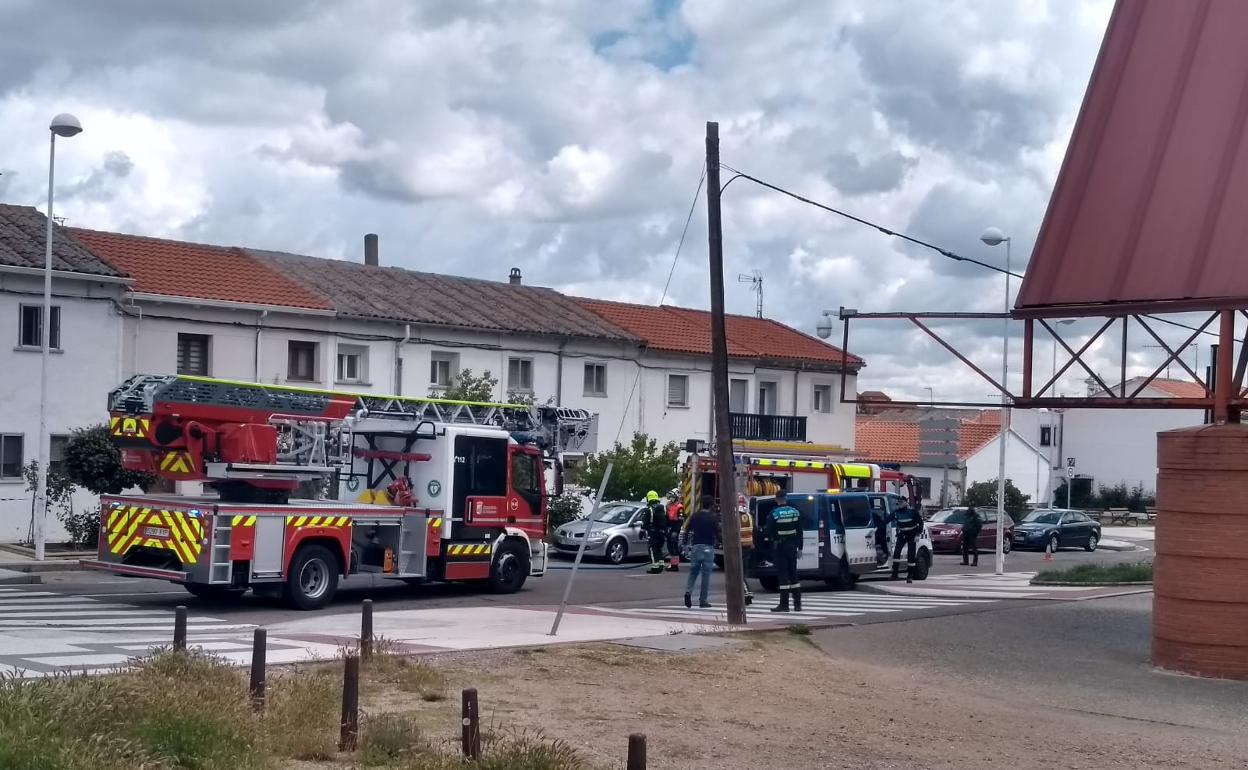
column 562, row 509
column 1137, row 572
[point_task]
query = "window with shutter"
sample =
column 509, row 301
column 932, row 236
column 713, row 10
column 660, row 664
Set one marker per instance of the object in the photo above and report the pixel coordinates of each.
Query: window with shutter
column 678, row 390
column 193, row 354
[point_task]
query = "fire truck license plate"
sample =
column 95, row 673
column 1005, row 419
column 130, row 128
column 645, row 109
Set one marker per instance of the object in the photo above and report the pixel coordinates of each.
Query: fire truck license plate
column 155, row 532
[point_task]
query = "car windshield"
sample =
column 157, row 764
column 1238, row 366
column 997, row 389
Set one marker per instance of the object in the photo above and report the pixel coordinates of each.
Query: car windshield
column 1043, row 517
column 615, row 514
column 948, row 517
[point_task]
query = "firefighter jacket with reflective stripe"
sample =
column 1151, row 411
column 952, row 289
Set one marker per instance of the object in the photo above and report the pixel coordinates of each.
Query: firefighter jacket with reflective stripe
column 908, row 520
column 655, row 519
column 747, row 530
column 786, row 526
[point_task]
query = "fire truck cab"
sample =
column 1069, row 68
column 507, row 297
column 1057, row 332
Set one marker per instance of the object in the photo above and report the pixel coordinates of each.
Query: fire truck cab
column 425, row 490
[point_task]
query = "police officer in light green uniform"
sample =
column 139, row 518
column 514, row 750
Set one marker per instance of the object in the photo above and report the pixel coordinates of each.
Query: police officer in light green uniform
column 784, row 527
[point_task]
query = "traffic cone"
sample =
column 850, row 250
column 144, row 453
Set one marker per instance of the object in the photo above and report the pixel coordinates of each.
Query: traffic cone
column 1048, row 551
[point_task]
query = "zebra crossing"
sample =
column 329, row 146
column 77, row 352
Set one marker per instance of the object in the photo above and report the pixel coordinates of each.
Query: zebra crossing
column 42, row 632
column 816, row 607
column 1009, row 585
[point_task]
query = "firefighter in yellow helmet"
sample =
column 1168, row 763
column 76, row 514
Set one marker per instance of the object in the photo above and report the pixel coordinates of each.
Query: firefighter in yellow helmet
column 655, row 522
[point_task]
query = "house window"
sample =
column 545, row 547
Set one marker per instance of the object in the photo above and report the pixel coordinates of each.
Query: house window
column 520, row 375
column 352, row 364
column 56, row 452
column 595, row 379
column 823, row 398
column 31, row 322
column 924, row 487
column 301, row 361
column 10, row 456
column 442, row 369
column 193, row 354
column 1046, row 435
column 678, row 390
column 738, row 395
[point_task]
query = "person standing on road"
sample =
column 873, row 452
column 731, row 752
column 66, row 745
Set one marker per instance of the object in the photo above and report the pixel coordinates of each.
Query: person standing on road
column 700, row 533
column 970, row 536
column 909, row 525
column 785, row 530
column 675, row 520
column 655, row 522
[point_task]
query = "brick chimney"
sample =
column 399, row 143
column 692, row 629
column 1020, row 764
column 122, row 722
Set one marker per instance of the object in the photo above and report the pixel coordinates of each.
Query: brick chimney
column 514, row 278
column 370, row 249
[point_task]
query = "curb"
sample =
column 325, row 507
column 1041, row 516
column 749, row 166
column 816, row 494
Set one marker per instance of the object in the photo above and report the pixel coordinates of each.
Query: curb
column 9, row 578
column 67, row 565
column 1093, row 585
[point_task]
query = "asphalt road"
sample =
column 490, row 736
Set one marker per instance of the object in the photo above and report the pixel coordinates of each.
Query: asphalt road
column 627, row 586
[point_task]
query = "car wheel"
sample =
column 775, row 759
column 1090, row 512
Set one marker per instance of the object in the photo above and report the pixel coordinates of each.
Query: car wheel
column 509, row 569
column 1093, row 540
column 313, row 578
column 1005, row 545
column 1054, row 543
column 769, row 583
column 617, row 551
column 922, row 565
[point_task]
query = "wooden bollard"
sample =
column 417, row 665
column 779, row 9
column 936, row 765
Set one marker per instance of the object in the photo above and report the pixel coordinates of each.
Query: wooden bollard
column 350, row 731
column 471, row 736
column 259, row 647
column 179, row 627
column 366, row 629
column 636, row 752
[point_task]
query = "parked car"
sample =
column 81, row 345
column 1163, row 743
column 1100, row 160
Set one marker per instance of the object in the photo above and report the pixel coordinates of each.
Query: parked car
column 1057, row 528
column 946, row 531
column 616, row 533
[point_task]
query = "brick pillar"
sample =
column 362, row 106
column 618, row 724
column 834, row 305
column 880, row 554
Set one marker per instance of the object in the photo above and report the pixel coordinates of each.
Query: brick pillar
column 1200, row 599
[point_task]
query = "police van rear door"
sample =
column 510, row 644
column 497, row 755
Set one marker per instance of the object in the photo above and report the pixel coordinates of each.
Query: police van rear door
column 859, row 532
column 808, row 506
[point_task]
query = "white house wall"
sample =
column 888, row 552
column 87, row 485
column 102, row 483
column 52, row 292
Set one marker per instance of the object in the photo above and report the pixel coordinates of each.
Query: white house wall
column 79, row 379
column 1120, row 445
column 1020, row 465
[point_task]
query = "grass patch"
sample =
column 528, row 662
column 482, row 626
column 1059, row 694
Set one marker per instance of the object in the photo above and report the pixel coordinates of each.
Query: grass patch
column 1137, row 572
column 799, row 629
column 404, row 674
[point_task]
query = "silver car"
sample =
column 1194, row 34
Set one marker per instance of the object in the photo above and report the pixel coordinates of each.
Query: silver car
column 617, row 533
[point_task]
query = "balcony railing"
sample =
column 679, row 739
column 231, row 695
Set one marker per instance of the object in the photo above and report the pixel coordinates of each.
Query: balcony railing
column 768, row 427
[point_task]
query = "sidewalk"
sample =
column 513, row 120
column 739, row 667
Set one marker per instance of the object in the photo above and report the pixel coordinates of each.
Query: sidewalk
column 1127, row 533
column 21, row 560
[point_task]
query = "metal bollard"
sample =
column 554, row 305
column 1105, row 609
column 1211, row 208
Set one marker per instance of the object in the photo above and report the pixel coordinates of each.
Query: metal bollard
column 350, row 730
column 471, row 736
column 366, row 629
column 259, row 646
column 179, row 627
column 637, row 752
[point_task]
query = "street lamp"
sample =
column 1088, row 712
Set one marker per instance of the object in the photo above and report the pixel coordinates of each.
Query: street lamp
column 65, row 126
column 994, row 237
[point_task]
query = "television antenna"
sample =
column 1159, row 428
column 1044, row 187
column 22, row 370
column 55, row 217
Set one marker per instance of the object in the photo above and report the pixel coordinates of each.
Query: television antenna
column 755, row 280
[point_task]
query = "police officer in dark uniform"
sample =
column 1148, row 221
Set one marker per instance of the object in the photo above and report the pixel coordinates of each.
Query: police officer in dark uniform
column 970, row 536
column 784, row 527
column 909, row 524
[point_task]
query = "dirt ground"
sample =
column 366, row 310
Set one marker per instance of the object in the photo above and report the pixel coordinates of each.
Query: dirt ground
column 771, row 701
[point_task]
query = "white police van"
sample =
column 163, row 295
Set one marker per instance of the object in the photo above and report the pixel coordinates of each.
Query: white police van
column 845, row 535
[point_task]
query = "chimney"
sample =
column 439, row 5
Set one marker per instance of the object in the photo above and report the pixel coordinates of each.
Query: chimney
column 370, row 249
column 514, row 278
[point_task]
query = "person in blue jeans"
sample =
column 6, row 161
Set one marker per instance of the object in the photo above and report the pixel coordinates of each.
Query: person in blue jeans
column 700, row 533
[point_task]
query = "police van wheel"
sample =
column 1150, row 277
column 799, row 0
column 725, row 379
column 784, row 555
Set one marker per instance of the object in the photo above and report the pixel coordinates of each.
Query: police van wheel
column 509, row 569
column 769, row 583
column 922, row 565
column 313, row 578
column 844, row 579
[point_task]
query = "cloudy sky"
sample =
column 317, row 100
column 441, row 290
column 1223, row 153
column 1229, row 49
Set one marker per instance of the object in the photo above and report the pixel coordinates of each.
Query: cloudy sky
column 566, row 138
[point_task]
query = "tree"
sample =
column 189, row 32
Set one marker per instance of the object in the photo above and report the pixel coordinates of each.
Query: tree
column 984, row 495
column 562, row 509
column 468, row 387
column 639, row 467
column 93, row 461
column 59, row 497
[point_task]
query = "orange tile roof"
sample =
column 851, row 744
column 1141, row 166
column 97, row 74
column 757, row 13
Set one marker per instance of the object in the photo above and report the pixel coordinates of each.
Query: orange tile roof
column 194, row 270
column 1178, row 388
column 683, row 330
column 885, row 441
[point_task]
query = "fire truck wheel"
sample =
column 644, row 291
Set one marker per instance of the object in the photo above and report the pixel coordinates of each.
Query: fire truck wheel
column 313, row 578
column 510, row 568
column 213, row 593
column 769, row 582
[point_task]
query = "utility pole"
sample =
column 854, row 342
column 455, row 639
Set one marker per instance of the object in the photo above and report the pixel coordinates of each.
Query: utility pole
column 734, row 576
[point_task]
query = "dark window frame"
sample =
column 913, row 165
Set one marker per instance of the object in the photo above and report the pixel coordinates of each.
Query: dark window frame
column 295, row 349
column 32, row 315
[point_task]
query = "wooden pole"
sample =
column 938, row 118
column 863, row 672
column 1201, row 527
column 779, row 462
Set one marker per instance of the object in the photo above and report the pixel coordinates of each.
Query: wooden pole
column 471, row 720
column 350, row 727
column 179, row 628
column 733, row 574
column 636, row 752
column 259, row 646
column 366, row 629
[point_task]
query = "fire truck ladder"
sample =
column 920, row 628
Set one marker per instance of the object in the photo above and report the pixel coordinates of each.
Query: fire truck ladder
column 220, row 567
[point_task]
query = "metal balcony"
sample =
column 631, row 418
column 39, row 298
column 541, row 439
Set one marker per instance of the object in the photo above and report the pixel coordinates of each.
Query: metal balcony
column 767, row 427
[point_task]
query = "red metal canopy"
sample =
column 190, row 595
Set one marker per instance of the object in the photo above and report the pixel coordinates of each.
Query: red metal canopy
column 1148, row 213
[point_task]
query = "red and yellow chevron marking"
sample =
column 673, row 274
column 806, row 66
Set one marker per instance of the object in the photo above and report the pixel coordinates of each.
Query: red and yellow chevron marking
column 468, row 549
column 136, row 427
column 318, row 521
column 243, row 521
column 374, row 497
column 128, row 527
column 177, row 461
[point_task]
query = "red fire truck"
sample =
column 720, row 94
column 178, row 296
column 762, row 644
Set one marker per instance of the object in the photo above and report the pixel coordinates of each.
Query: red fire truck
column 427, row 490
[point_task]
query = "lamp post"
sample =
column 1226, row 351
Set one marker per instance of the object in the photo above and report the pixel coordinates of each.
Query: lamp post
column 994, row 237
column 63, row 125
